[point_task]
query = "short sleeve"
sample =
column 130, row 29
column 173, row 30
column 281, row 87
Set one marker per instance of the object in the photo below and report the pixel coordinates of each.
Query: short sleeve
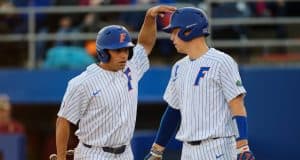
column 140, row 60
column 171, row 95
column 74, row 103
column 230, row 79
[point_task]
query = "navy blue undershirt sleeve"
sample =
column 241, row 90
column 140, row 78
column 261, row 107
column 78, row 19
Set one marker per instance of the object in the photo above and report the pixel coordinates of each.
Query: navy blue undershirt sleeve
column 168, row 126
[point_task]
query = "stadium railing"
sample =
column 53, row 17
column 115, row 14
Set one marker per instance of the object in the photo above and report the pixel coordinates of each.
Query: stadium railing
column 31, row 37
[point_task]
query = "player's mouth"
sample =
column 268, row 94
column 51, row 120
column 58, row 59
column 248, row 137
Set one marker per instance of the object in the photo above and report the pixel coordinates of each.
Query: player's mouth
column 122, row 63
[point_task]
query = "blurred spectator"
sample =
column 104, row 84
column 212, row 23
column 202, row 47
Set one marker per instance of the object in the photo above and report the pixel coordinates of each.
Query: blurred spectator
column 75, row 18
column 90, row 47
column 261, row 8
column 134, row 20
column 67, row 57
column 92, row 22
column 8, row 23
column 272, row 9
column 89, row 23
column 121, row 2
column 10, row 20
column 231, row 10
column 65, row 27
column 40, row 18
column 94, row 2
column 66, row 3
column 7, row 123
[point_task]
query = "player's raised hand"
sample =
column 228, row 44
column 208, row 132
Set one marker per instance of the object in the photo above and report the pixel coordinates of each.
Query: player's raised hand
column 160, row 10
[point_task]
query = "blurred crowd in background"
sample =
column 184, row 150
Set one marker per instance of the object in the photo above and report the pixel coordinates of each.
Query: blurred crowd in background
column 69, row 54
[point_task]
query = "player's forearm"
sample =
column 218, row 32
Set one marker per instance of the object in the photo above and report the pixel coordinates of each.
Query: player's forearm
column 239, row 115
column 148, row 31
column 62, row 137
column 147, row 35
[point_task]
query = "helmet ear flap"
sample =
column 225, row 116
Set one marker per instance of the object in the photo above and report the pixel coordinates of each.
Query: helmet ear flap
column 103, row 55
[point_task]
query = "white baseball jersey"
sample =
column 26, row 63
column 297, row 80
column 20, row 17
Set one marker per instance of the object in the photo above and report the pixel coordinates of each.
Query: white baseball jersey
column 105, row 102
column 201, row 90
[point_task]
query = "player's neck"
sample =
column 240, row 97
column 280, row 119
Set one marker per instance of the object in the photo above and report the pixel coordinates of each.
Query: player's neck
column 197, row 48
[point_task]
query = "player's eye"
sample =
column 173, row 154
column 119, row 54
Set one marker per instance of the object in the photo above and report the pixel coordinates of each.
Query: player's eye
column 121, row 50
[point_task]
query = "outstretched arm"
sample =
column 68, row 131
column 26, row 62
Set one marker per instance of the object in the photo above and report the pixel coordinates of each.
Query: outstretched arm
column 62, row 137
column 239, row 116
column 147, row 35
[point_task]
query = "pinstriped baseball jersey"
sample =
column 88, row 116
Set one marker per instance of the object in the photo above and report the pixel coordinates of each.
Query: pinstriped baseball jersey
column 201, row 90
column 105, row 102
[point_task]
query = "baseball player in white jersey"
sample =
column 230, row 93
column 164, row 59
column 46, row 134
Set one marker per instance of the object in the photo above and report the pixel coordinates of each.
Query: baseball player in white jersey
column 102, row 100
column 205, row 97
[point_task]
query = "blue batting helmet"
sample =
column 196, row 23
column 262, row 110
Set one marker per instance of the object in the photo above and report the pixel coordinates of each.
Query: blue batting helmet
column 188, row 19
column 112, row 37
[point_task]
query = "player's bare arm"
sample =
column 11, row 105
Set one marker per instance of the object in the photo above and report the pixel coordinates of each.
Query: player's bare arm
column 62, row 137
column 147, row 35
column 237, row 108
column 239, row 115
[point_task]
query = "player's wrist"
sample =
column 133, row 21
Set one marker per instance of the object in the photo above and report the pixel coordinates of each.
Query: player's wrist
column 244, row 148
column 241, row 143
column 158, row 147
column 157, row 150
column 150, row 14
column 61, row 156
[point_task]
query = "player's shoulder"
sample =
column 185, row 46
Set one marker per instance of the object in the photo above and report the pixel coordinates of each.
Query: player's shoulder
column 78, row 80
column 139, row 48
column 182, row 61
column 83, row 77
column 219, row 56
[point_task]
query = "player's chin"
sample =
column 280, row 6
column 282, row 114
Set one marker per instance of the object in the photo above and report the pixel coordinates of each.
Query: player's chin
column 121, row 65
column 179, row 50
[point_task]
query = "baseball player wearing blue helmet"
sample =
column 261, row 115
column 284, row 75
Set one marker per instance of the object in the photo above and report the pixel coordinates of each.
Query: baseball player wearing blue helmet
column 102, row 100
column 204, row 95
column 109, row 38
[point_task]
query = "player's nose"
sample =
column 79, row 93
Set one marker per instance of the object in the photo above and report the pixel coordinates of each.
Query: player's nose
column 172, row 37
column 124, row 54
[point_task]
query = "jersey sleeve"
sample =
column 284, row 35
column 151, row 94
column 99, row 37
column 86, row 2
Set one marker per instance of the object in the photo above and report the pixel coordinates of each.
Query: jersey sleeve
column 230, row 79
column 140, row 60
column 171, row 95
column 74, row 103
